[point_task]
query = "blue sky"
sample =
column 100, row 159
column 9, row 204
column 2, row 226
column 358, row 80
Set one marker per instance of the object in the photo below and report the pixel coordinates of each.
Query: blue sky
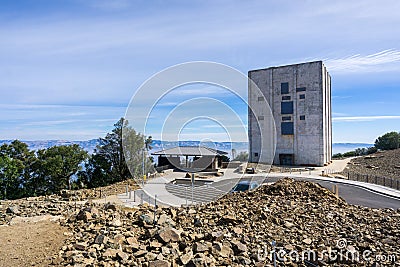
column 68, row 69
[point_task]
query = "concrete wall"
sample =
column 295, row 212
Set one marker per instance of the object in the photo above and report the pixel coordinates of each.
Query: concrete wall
column 311, row 143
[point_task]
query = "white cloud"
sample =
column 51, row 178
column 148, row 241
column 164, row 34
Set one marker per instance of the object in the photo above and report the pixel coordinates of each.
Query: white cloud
column 195, row 90
column 365, row 118
column 380, row 61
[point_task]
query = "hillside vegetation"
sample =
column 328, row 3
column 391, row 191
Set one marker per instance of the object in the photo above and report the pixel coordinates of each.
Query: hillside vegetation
column 26, row 173
column 388, row 141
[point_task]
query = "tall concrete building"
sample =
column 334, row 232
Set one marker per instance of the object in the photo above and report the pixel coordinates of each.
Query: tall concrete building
column 299, row 96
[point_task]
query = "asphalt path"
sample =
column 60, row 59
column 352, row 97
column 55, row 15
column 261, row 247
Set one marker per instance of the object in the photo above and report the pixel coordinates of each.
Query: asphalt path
column 353, row 194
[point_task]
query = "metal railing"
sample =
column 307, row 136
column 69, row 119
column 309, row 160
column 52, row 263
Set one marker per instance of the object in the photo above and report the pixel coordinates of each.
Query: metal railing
column 373, row 179
column 360, row 177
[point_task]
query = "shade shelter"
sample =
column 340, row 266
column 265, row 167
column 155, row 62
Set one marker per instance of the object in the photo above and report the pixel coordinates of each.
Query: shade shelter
column 190, row 158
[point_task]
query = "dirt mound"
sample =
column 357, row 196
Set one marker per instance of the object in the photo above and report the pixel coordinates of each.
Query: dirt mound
column 62, row 204
column 34, row 206
column 382, row 164
column 99, row 192
column 290, row 189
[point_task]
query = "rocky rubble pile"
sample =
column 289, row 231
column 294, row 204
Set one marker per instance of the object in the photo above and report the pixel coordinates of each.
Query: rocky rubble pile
column 63, row 204
column 34, row 206
column 99, row 192
column 236, row 230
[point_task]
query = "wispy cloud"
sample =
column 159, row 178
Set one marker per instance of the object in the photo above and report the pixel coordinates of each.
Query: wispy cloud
column 380, row 61
column 96, row 53
column 65, row 122
column 167, row 104
column 195, row 90
column 365, row 118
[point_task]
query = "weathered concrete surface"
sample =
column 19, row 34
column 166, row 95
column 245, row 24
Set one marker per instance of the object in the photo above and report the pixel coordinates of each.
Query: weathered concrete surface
column 311, row 143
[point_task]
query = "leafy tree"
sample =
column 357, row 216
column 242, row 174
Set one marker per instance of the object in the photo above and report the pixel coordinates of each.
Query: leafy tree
column 360, row 151
column 96, row 172
column 349, row 154
column 9, row 178
column 58, row 164
column 371, row 150
column 242, row 157
column 148, row 142
column 388, row 141
column 337, row 156
column 111, row 149
column 118, row 156
column 136, row 148
column 23, row 160
column 147, row 146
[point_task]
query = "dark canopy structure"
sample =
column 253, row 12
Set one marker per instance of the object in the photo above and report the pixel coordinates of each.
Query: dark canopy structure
column 202, row 158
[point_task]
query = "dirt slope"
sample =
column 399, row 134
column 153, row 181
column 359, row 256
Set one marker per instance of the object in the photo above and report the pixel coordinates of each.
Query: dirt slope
column 386, row 164
column 30, row 244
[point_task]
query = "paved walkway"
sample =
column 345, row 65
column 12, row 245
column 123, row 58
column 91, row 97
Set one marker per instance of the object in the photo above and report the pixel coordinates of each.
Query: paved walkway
column 154, row 190
column 354, row 194
column 177, row 195
column 379, row 189
column 335, row 166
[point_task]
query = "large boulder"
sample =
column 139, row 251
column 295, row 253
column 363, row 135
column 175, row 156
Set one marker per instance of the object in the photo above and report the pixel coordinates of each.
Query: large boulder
column 169, row 234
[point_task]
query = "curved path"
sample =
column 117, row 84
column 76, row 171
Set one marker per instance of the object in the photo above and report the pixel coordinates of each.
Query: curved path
column 354, row 194
column 357, row 193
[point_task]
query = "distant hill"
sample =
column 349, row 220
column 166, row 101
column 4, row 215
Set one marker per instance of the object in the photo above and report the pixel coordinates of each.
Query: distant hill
column 157, row 145
column 346, row 147
column 224, row 146
column 88, row 145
